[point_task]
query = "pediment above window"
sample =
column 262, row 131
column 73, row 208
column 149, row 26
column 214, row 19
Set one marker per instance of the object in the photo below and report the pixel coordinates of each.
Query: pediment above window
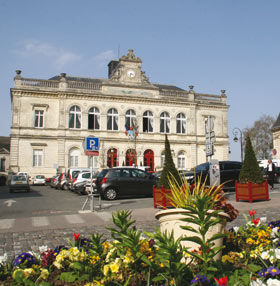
column 40, row 105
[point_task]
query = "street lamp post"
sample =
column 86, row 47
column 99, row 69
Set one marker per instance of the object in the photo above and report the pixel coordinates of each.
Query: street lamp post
column 236, row 131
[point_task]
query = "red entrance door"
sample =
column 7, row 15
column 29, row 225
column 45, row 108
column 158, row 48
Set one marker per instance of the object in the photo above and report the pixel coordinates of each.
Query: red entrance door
column 149, row 159
column 112, row 158
column 131, row 158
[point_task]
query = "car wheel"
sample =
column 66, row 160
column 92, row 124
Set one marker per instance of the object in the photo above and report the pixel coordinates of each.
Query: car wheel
column 110, row 194
column 64, row 187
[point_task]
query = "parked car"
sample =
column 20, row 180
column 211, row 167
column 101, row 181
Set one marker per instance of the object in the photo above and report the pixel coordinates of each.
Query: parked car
column 80, row 188
column 73, row 171
column 63, row 183
column 81, row 177
column 117, row 182
column 19, row 182
column 229, row 173
column 54, row 181
column 24, row 174
column 39, row 180
column 48, row 181
column 61, row 178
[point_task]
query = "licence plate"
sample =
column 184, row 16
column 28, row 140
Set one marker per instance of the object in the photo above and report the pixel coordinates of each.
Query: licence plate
column 19, row 183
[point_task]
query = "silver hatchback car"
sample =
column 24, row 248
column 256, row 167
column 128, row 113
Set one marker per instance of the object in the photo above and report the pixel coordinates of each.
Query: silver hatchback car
column 19, row 182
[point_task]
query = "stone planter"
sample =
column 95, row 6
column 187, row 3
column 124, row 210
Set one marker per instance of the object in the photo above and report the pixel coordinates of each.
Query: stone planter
column 251, row 191
column 171, row 220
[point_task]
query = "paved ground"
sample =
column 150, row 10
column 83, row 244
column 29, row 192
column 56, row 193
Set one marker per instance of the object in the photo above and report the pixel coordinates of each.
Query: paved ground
column 24, row 234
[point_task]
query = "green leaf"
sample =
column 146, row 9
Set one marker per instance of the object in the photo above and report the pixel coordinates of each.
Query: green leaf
column 195, row 239
column 146, row 260
column 216, row 236
column 77, row 265
column 83, row 277
column 18, row 275
column 212, row 268
column 45, row 283
column 68, row 276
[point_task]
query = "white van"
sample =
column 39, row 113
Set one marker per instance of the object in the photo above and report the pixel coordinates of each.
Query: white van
column 73, row 171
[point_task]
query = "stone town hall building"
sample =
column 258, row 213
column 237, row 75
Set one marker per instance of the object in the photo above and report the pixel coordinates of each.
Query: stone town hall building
column 51, row 118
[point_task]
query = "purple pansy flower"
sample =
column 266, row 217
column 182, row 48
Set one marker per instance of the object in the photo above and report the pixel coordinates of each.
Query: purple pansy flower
column 273, row 270
column 27, row 258
column 199, row 278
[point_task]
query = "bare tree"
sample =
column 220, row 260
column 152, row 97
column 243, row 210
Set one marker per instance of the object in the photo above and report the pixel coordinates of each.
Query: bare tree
column 261, row 136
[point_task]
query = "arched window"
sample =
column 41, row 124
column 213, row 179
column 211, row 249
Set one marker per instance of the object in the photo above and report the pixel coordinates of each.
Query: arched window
column 112, row 119
column 164, row 122
column 75, row 117
column 74, row 158
column 130, row 118
column 94, row 118
column 162, row 159
column 148, row 121
column 181, row 124
column 181, row 161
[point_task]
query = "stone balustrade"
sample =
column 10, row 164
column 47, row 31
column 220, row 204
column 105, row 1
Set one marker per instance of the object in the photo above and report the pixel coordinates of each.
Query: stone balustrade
column 34, row 83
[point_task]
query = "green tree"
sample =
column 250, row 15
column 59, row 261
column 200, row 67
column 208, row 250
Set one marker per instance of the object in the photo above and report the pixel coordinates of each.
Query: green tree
column 250, row 170
column 168, row 168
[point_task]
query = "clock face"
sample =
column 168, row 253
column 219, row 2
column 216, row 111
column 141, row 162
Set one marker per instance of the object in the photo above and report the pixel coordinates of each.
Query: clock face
column 131, row 73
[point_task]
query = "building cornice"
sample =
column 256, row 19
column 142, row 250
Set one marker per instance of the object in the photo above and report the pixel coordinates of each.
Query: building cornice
column 117, row 98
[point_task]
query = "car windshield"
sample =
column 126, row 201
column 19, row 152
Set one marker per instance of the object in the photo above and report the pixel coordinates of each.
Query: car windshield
column 102, row 174
column 202, row 168
column 40, row 177
column 19, row 179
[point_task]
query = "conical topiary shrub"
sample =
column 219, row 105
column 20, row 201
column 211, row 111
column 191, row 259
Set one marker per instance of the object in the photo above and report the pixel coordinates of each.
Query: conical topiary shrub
column 168, row 168
column 250, row 171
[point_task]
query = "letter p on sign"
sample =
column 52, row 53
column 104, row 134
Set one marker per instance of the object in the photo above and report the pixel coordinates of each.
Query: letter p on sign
column 92, row 144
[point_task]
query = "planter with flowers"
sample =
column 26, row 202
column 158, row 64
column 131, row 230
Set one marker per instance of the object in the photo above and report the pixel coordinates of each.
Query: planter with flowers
column 251, row 186
column 198, row 217
column 251, row 258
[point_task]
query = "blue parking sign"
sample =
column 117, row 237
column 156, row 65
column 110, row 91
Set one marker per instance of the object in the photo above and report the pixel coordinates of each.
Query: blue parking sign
column 92, row 144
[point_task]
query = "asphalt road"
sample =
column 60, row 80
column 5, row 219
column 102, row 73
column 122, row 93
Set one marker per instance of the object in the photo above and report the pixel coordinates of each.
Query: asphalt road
column 47, row 201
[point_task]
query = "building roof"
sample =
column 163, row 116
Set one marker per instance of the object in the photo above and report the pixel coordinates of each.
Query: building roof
column 5, row 142
column 97, row 80
column 276, row 123
column 80, row 79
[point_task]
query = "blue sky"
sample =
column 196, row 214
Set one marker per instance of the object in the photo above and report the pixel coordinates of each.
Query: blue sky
column 211, row 44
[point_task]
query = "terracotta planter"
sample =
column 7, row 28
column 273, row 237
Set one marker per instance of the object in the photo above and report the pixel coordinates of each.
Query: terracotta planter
column 251, row 191
column 171, row 220
column 161, row 199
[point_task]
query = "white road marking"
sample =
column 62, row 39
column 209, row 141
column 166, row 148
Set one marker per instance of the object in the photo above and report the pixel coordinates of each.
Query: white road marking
column 9, row 202
column 40, row 221
column 74, row 219
column 7, row 223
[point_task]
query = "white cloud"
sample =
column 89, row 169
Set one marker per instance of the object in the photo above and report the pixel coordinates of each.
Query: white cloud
column 103, row 58
column 58, row 56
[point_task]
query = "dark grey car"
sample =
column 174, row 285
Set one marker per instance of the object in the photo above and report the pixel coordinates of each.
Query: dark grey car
column 117, row 182
column 229, row 173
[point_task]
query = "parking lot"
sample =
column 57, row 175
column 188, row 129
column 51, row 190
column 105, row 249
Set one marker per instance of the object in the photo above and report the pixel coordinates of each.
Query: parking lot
column 44, row 200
